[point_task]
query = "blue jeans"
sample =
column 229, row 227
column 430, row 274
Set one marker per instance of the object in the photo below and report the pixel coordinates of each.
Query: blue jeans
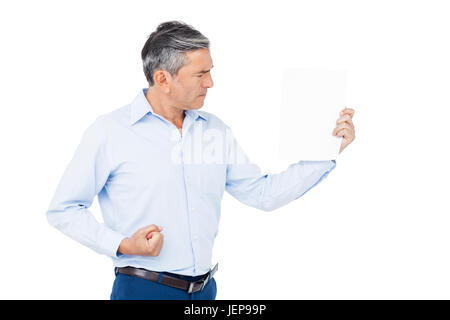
column 128, row 287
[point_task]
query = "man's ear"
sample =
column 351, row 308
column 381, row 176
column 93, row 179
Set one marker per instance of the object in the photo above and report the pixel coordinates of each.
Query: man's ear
column 162, row 78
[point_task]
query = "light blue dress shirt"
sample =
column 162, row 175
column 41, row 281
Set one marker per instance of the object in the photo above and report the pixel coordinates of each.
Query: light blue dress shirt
column 144, row 171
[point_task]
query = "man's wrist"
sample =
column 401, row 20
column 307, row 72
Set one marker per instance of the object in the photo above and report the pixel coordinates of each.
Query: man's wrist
column 124, row 246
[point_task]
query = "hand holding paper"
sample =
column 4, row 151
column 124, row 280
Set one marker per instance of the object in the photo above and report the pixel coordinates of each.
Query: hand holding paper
column 311, row 102
column 345, row 128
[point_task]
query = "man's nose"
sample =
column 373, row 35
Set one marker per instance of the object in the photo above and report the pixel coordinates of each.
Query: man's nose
column 209, row 83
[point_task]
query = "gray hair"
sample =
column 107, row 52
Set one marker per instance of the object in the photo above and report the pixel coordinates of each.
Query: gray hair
column 165, row 48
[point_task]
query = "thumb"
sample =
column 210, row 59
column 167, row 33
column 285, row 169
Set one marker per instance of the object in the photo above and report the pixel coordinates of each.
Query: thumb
column 154, row 233
column 150, row 234
column 147, row 229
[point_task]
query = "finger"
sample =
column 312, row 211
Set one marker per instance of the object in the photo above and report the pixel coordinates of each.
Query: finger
column 153, row 245
column 160, row 244
column 157, row 237
column 342, row 126
column 345, row 118
column 346, row 134
column 348, row 111
column 157, row 250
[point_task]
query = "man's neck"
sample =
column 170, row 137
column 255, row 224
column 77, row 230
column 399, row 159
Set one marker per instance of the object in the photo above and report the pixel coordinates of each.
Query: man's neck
column 172, row 114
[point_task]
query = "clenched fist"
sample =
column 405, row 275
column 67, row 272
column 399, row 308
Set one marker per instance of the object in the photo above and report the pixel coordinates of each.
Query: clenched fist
column 147, row 241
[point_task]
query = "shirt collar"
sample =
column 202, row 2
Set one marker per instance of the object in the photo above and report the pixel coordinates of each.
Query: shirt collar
column 140, row 107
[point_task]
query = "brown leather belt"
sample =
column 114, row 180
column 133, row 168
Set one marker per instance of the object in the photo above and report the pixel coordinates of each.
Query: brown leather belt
column 189, row 286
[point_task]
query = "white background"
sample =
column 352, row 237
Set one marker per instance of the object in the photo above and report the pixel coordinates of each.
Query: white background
column 376, row 228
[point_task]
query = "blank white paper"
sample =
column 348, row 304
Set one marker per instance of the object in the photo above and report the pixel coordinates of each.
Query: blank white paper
column 311, row 102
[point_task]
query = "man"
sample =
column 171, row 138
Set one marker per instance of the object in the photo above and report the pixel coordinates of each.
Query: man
column 160, row 167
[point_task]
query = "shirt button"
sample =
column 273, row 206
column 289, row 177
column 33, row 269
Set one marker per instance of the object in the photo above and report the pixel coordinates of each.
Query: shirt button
column 195, row 237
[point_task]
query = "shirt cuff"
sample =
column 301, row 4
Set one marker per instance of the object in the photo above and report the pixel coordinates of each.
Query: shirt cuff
column 111, row 243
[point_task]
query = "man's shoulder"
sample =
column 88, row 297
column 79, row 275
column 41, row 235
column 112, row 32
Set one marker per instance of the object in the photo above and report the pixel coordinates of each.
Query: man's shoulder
column 114, row 118
column 119, row 115
column 105, row 123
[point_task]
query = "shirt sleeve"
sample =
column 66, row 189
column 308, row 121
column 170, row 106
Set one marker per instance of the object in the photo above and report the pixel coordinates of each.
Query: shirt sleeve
column 83, row 179
column 246, row 183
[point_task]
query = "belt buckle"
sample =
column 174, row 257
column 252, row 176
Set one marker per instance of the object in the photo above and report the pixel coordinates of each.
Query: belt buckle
column 191, row 286
column 204, row 282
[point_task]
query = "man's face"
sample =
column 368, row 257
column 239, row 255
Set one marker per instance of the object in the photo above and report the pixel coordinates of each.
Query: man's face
column 189, row 87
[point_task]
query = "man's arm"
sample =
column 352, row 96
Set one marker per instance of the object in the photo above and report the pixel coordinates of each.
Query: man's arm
column 82, row 180
column 268, row 192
